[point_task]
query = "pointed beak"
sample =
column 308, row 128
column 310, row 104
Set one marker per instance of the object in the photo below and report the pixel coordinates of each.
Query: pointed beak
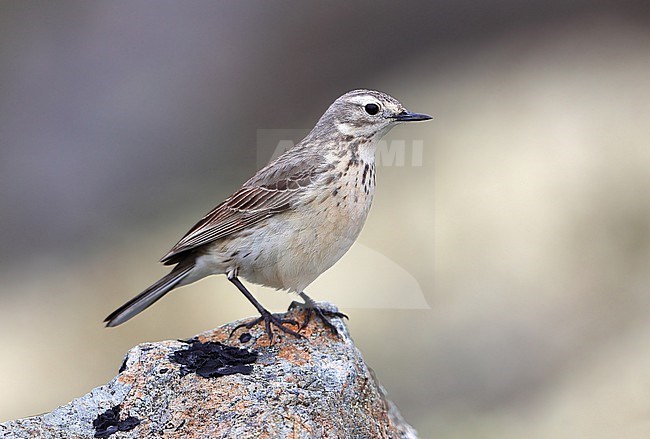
column 407, row 116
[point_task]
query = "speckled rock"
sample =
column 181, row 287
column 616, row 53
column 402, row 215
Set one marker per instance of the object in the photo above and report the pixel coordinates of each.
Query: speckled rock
column 317, row 387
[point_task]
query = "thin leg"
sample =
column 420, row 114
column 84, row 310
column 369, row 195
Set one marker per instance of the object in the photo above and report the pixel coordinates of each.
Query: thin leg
column 265, row 315
column 311, row 307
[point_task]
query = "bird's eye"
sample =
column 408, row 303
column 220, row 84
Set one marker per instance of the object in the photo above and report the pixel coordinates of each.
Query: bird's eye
column 372, row 109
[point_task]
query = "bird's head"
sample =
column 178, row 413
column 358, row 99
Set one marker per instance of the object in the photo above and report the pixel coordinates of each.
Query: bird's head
column 366, row 113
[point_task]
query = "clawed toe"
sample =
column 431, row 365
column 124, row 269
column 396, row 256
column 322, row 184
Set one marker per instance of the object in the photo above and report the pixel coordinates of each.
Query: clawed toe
column 321, row 313
column 270, row 319
column 335, row 314
column 279, row 322
column 247, row 325
column 322, row 316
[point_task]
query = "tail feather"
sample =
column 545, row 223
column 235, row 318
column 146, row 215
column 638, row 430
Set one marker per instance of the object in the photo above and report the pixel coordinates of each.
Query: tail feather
column 145, row 299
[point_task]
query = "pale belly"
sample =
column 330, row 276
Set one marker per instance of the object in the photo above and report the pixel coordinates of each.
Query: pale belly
column 290, row 250
column 300, row 245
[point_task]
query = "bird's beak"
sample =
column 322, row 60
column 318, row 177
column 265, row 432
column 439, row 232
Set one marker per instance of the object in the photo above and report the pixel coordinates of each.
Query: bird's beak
column 407, row 116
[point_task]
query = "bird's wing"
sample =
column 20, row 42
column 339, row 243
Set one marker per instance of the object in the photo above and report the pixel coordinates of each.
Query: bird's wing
column 272, row 190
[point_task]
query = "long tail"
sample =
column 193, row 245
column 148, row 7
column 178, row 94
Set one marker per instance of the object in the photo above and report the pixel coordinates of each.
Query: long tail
column 145, row 299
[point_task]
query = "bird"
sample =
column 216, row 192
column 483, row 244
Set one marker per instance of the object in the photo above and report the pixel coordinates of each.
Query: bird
column 293, row 219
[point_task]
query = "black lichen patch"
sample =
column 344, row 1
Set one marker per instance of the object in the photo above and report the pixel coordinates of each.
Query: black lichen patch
column 213, row 359
column 109, row 422
column 245, row 337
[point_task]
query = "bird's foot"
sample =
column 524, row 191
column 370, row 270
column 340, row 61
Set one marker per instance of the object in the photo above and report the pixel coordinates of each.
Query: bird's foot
column 321, row 313
column 270, row 319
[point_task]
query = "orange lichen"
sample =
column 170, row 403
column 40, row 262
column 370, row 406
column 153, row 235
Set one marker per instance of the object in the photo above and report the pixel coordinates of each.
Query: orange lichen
column 294, row 355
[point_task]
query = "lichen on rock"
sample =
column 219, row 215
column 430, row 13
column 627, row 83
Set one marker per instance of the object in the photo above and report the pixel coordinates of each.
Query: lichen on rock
column 218, row 386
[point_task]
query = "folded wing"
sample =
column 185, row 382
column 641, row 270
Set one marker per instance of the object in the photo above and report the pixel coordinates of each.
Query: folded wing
column 272, row 190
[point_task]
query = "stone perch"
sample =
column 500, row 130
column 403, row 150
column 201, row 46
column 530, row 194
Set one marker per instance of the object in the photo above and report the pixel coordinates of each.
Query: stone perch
column 213, row 386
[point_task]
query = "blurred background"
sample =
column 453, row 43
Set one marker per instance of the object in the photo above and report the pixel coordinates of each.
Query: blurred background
column 520, row 243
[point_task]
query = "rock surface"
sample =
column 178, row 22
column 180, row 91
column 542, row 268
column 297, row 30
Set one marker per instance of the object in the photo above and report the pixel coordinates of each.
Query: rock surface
column 316, row 387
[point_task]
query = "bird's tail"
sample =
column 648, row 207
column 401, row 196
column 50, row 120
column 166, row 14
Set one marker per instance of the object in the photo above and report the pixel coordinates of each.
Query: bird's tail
column 146, row 298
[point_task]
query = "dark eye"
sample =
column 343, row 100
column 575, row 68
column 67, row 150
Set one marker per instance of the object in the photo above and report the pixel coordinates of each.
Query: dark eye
column 372, row 109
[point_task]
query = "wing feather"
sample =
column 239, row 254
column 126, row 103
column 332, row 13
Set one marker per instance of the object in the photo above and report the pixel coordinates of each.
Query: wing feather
column 272, row 190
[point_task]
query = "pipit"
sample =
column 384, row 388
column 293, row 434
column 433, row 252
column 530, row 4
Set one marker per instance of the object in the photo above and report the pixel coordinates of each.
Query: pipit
column 294, row 218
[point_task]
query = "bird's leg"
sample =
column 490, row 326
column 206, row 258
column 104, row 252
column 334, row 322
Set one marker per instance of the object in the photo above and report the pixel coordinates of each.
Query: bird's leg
column 311, row 307
column 265, row 315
